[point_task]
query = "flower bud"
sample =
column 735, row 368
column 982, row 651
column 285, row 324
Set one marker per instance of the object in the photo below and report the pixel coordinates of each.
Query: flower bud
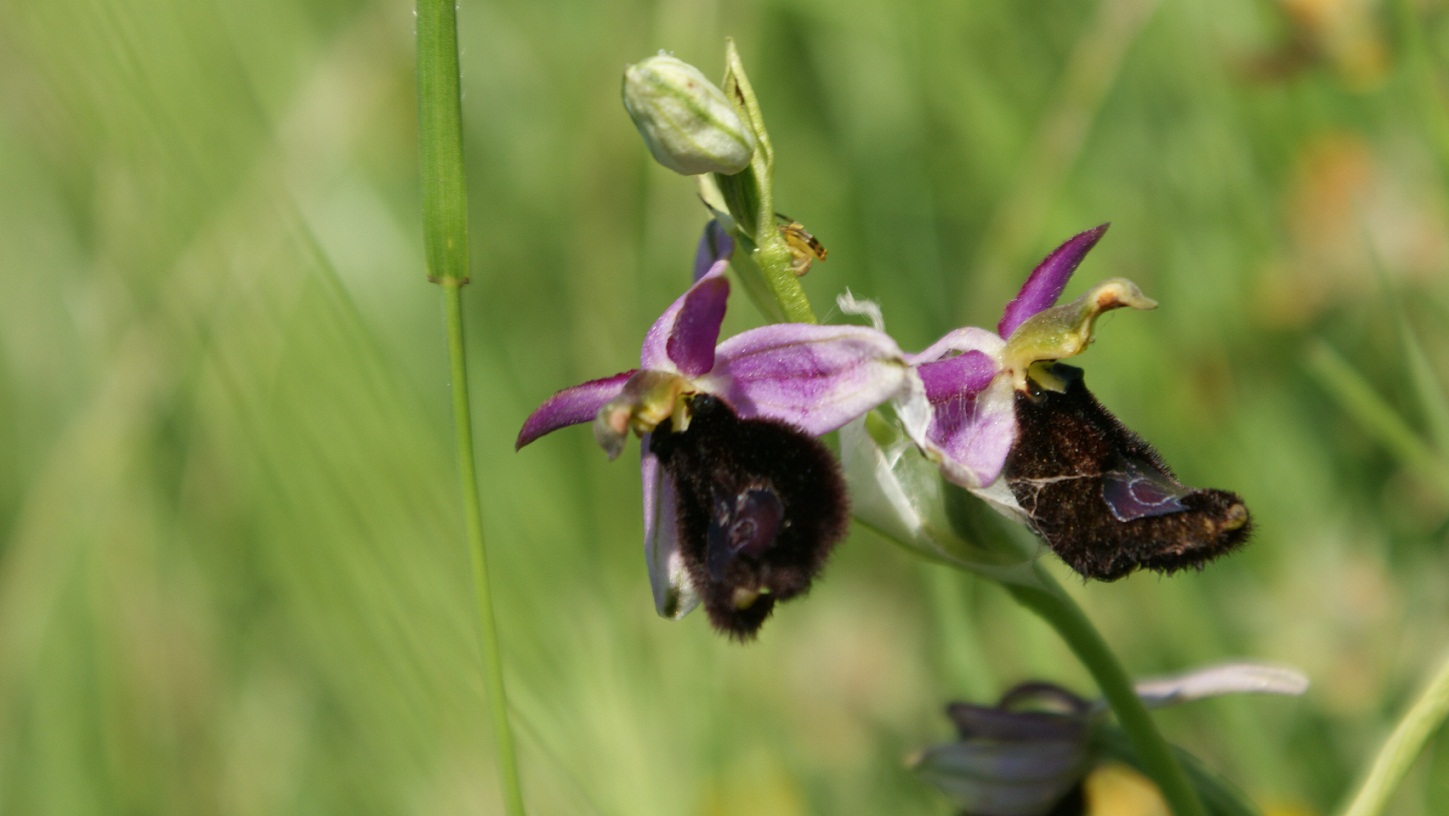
column 687, row 122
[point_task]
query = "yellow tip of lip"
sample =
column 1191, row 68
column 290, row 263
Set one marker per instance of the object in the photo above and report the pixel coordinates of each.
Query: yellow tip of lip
column 745, row 598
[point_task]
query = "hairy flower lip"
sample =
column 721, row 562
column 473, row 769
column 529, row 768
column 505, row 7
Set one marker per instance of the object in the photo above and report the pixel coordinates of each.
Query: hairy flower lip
column 761, row 505
column 1101, row 497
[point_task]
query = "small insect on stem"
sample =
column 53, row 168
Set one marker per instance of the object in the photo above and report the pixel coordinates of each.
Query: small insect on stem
column 805, row 249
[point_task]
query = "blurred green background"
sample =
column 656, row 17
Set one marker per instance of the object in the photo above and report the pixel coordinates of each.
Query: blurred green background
column 232, row 579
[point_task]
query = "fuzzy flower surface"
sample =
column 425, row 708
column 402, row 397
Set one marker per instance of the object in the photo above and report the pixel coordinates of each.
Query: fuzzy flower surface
column 741, row 503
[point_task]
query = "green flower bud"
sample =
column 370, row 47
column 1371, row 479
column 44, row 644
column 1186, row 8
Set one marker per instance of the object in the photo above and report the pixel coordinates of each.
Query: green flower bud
column 686, row 120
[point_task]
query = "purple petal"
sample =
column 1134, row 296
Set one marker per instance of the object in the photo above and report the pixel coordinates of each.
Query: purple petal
column 814, row 377
column 683, row 338
column 972, row 422
column 715, row 245
column 674, row 594
column 964, row 374
column 581, row 403
column 1047, row 281
column 971, row 434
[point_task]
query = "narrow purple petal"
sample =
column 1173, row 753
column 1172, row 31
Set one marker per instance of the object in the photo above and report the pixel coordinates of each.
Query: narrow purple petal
column 715, row 245
column 964, row 374
column 683, row 338
column 1047, row 281
column 581, row 403
column 814, row 377
column 691, row 344
column 674, row 594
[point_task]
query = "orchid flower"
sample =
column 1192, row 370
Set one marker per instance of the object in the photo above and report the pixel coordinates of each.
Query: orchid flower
column 1019, row 429
column 741, row 503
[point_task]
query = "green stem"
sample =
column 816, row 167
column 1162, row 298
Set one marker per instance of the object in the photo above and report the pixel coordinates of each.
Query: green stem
column 445, row 236
column 1403, row 747
column 773, row 259
column 440, row 142
column 473, row 525
column 750, row 196
column 1156, row 756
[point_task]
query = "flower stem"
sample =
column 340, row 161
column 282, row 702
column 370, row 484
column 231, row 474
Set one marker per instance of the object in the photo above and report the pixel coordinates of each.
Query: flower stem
column 445, row 237
column 1403, row 747
column 751, row 199
column 1062, row 613
column 473, row 524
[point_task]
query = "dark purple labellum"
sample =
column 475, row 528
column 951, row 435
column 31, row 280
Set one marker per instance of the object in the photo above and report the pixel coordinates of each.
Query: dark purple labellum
column 1102, row 498
column 761, row 505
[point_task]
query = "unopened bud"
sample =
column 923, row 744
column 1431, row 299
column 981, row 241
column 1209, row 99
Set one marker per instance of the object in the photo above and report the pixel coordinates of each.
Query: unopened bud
column 687, row 122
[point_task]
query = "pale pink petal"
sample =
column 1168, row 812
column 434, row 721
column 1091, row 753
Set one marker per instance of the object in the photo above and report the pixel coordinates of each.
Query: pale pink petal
column 963, row 374
column 969, row 432
column 816, row 378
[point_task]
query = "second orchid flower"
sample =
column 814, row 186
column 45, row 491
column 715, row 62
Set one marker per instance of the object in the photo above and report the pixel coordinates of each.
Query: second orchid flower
column 1018, row 428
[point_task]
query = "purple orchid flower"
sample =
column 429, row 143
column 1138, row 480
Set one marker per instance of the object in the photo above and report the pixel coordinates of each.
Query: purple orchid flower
column 1011, row 424
column 741, row 503
column 970, row 374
